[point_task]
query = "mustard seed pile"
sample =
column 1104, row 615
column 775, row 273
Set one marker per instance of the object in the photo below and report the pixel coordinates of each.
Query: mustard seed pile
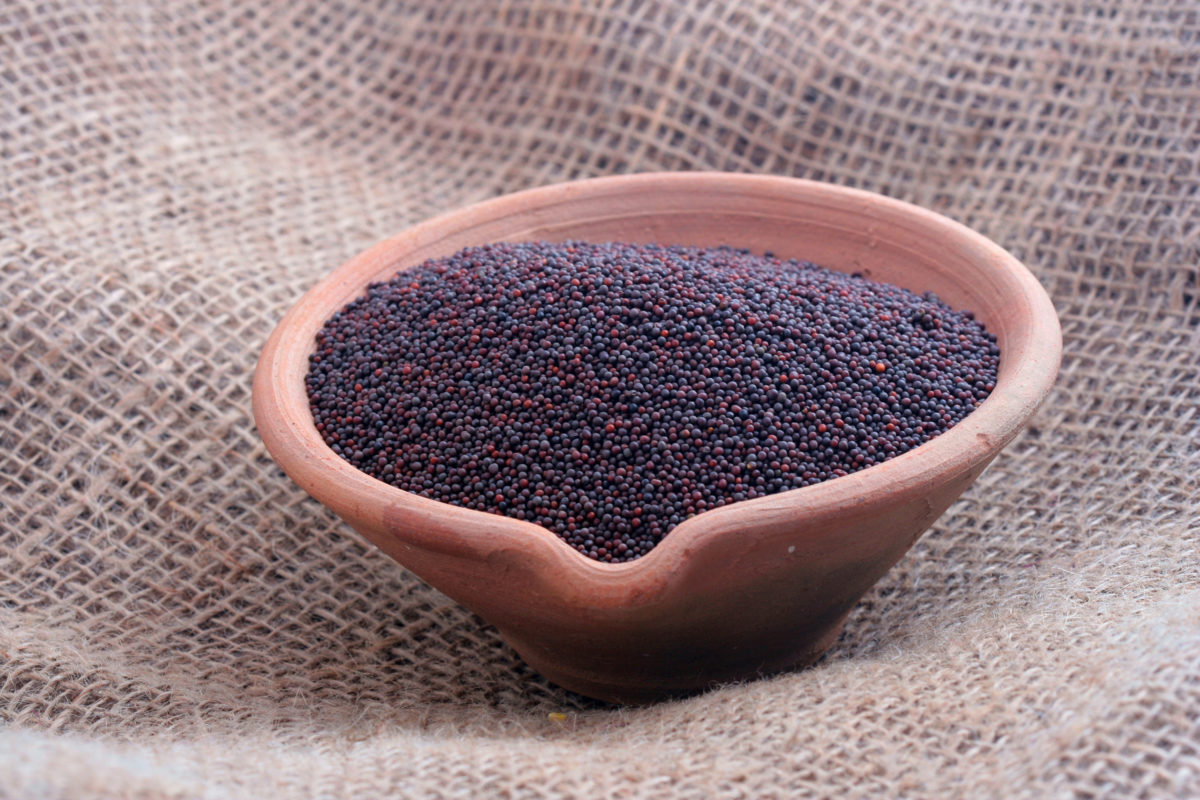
column 610, row 391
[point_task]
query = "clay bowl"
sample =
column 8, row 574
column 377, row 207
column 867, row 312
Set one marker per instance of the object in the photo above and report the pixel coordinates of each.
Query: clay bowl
column 744, row 590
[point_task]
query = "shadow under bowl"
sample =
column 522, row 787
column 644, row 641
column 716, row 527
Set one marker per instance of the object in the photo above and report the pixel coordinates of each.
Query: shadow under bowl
column 747, row 589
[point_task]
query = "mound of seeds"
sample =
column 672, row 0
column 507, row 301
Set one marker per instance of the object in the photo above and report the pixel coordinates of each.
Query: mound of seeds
column 610, row 391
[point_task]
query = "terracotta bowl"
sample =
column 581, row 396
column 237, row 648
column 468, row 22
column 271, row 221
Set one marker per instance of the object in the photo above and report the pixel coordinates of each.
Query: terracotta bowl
column 744, row 590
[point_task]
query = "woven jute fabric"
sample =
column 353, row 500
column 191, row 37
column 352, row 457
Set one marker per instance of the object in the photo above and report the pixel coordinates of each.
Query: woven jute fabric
column 178, row 619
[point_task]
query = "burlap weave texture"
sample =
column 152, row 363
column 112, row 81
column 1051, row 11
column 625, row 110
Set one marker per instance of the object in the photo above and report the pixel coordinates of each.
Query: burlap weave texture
column 177, row 619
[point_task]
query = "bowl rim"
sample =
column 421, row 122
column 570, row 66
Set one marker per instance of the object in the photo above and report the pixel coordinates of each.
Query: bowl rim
column 285, row 423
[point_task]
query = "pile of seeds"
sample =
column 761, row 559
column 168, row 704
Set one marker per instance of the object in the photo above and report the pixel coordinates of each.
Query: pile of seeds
column 610, row 391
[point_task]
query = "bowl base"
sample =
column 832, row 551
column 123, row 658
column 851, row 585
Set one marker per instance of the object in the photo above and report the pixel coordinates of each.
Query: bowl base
column 641, row 688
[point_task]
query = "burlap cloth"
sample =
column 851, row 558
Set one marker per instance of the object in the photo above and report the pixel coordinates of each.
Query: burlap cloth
column 178, row 619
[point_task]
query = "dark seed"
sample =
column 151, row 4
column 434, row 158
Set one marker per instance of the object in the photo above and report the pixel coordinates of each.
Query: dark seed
column 610, row 391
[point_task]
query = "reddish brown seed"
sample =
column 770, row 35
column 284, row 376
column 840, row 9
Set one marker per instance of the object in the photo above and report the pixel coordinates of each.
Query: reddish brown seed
column 610, row 391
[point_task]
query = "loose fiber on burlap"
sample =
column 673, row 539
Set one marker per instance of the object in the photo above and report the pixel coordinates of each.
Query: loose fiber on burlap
column 177, row 619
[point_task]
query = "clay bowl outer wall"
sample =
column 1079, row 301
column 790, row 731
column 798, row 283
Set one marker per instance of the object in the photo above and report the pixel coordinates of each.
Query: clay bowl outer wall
column 747, row 589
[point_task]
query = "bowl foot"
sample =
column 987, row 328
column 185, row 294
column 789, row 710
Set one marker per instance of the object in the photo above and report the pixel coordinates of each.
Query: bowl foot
column 645, row 686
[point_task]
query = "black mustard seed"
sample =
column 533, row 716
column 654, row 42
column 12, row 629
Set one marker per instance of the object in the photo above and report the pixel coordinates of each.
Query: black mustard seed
column 610, row 391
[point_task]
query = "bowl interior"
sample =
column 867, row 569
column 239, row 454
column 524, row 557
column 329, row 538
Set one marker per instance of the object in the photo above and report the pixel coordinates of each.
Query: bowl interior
column 838, row 228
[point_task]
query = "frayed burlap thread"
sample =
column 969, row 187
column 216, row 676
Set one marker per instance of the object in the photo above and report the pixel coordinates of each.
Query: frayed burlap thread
column 177, row 619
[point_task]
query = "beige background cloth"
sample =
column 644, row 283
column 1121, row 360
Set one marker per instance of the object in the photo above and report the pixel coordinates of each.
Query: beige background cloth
column 177, row 619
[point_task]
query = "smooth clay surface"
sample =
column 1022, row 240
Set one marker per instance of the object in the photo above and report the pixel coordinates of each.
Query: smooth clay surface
column 743, row 590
